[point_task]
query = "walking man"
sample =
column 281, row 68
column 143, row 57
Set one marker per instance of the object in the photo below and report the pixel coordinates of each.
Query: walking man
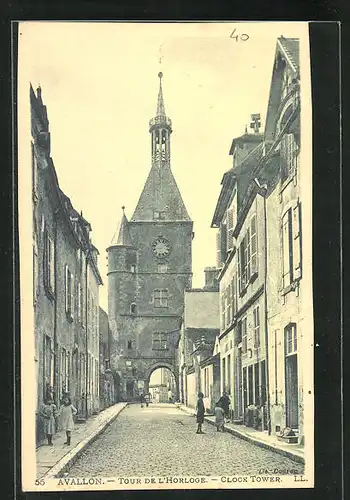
column 225, row 403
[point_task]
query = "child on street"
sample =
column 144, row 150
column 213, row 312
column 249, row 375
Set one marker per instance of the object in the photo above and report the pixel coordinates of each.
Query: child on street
column 200, row 410
column 66, row 413
column 49, row 414
column 219, row 417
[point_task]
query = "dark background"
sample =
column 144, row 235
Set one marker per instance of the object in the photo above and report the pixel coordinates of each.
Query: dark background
column 325, row 60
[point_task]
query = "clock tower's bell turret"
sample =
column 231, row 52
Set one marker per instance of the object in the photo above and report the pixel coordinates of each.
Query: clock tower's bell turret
column 160, row 130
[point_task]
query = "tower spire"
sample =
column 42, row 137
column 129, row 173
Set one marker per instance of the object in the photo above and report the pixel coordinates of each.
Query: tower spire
column 160, row 102
column 160, row 199
column 122, row 235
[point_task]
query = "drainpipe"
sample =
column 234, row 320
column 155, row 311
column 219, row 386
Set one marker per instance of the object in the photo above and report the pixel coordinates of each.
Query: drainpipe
column 263, row 192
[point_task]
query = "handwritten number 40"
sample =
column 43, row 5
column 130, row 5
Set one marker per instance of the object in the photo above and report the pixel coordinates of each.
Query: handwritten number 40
column 243, row 37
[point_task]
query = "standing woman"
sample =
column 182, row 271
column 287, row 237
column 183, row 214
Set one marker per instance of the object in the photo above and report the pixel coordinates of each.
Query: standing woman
column 66, row 413
column 200, row 410
column 49, row 414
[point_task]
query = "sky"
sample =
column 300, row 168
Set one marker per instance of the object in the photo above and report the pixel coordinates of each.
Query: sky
column 100, row 85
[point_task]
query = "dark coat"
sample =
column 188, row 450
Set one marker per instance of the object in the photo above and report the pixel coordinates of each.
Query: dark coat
column 200, row 410
column 225, row 403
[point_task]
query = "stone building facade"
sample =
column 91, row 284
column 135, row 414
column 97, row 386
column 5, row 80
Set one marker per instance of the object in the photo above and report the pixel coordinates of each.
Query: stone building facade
column 149, row 267
column 197, row 369
column 289, row 282
column 265, row 260
column 108, row 385
column 240, row 219
column 65, row 273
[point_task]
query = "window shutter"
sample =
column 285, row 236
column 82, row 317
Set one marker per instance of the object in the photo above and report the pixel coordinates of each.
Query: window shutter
column 233, row 297
column 230, row 229
column 229, row 304
column 223, row 311
column 218, row 249
column 239, row 269
column 286, row 250
column 72, row 295
column 52, row 264
column 66, row 287
column 79, row 302
column 248, row 254
column 253, row 244
column 223, row 242
column 45, row 269
column 296, row 225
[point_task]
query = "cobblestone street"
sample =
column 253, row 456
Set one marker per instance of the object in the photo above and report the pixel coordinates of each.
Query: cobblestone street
column 161, row 440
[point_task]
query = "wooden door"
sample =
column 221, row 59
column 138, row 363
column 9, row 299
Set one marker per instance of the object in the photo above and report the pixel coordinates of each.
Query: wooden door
column 292, row 392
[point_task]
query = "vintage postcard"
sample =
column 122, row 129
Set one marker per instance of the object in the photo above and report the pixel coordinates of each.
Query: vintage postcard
column 165, row 214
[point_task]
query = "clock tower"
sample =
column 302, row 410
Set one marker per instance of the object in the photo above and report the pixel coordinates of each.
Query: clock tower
column 149, row 267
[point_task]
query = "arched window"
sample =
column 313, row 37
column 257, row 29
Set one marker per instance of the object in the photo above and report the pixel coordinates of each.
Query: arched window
column 133, row 308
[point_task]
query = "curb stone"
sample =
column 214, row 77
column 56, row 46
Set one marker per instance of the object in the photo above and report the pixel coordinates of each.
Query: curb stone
column 268, row 446
column 72, row 456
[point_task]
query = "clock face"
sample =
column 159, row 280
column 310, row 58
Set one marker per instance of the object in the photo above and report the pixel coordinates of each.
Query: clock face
column 161, row 247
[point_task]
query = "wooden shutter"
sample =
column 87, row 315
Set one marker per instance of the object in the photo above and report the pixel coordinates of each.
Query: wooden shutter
column 223, row 310
column 233, row 297
column 239, row 269
column 51, row 264
column 229, row 305
column 286, row 249
column 230, row 229
column 223, row 242
column 45, row 259
column 72, row 295
column 218, row 249
column 66, row 288
column 248, row 263
column 296, row 228
column 253, row 246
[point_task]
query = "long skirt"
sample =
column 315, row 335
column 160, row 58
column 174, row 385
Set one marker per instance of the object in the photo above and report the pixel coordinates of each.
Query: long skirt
column 49, row 425
column 200, row 418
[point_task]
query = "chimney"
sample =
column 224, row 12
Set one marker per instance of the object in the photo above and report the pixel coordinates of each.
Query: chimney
column 211, row 282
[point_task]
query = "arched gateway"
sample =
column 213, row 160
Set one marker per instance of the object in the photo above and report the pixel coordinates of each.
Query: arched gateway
column 149, row 267
column 169, row 367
